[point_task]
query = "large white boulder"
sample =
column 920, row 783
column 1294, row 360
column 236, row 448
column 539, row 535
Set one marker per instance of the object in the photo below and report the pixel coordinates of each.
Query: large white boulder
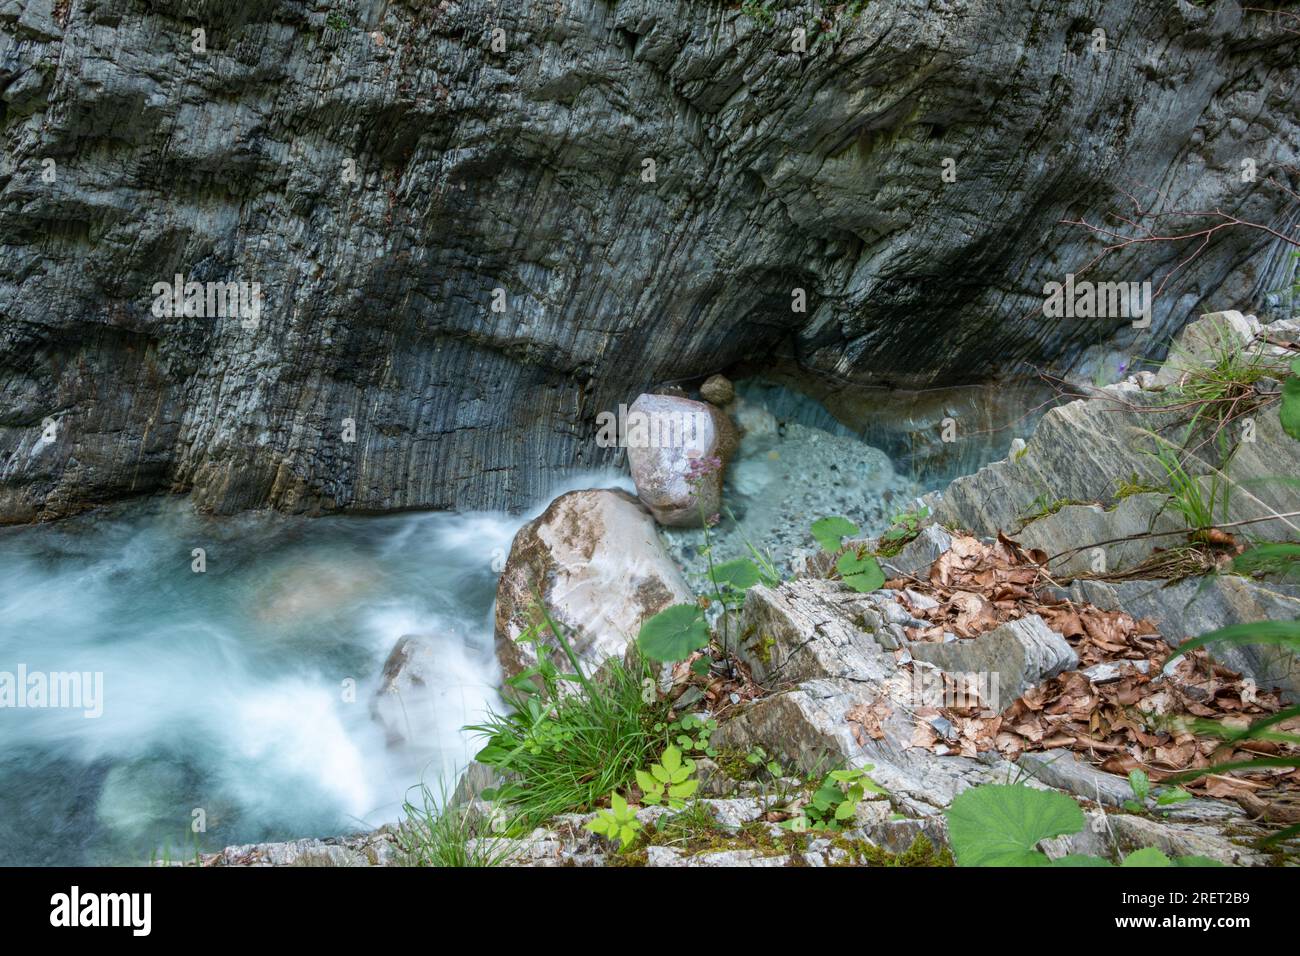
column 595, row 561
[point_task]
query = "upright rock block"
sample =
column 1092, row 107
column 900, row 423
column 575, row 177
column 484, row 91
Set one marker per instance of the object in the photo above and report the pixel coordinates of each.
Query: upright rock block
column 594, row 560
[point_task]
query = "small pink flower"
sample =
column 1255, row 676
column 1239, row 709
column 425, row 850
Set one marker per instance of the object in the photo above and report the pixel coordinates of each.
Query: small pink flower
column 702, row 467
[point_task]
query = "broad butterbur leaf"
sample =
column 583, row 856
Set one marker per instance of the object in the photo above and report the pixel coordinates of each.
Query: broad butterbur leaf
column 741, row 574
column 1001, row 825
column 674, row 633
column 1147, row 856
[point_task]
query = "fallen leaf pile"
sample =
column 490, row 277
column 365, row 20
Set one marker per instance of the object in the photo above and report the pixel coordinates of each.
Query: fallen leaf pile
column 1122, row 715
column 972, row 588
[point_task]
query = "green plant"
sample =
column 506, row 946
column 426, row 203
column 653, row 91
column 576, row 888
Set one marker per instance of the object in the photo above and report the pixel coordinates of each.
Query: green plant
column 1140, row 784
column 1220, row 388
column 860, row 571
column 1195, row 498
column 834, row 801
column 619, row 822
column 435, row 833
column 1045, row 505
column 1134, row 484
column 566, row 742
column 831, row 532
column 758, row 758
column 758, row 11
column 1290, row 410
column 904, row 526
column 1002, row 825
column 680, row 732
column 674, row 633
column 1280, row 559
column 336, row 21
column 669, row 781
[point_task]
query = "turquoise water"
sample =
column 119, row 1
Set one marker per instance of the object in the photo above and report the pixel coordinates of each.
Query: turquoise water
column 227, row 691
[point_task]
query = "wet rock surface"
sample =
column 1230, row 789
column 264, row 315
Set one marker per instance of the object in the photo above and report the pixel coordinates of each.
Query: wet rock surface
column 389, row 178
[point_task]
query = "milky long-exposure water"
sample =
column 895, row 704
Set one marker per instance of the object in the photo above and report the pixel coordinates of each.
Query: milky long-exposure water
column 229, row 691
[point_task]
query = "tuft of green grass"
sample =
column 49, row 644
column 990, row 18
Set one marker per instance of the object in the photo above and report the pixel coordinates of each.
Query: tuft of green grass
column 1223, row 389
column 904, row 527
column 568, row 741
column 1195, row 498
column 436, row 833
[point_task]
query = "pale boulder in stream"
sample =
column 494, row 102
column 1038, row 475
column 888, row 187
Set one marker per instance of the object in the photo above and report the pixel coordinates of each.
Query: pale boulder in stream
column 678, row 450
column 595, row 560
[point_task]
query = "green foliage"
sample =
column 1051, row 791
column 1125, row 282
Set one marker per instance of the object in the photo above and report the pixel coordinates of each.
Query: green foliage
column 1221, row 388
column 1284, row 633
column 732, row 579
column 758, row 11
column 1279, row 559
column 1195, row 498
column 1290, row 410
column 834, row 801
column 860, row 571
column 1134, row 484
column 682, row 729
column 904, row 526
column 619, row 822
column 567, row 742
column 830, row 532
column 669, row 781
column 1002, row 825
column 336, row 21
column 674, row 633
column 433, row 833
column 1140, row 783
column 758, row 758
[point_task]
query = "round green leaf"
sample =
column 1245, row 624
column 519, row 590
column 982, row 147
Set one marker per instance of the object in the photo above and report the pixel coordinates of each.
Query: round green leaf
column 830, row 531
column 1000, row 825
column 673, row 633
column 863, row 574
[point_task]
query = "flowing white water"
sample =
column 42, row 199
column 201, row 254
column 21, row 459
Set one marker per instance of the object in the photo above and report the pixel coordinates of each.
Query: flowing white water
column 227, row 691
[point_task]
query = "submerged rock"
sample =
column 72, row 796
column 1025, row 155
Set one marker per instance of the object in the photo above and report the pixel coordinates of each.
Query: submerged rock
column 678, row 451
column 594, row 560
column 400, row 703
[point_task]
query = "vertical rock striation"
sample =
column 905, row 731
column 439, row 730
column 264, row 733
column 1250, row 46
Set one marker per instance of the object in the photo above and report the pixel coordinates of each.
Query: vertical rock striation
column 381, row 171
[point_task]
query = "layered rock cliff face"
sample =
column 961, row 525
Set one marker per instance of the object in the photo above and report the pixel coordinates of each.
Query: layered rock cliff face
column 522, row 169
